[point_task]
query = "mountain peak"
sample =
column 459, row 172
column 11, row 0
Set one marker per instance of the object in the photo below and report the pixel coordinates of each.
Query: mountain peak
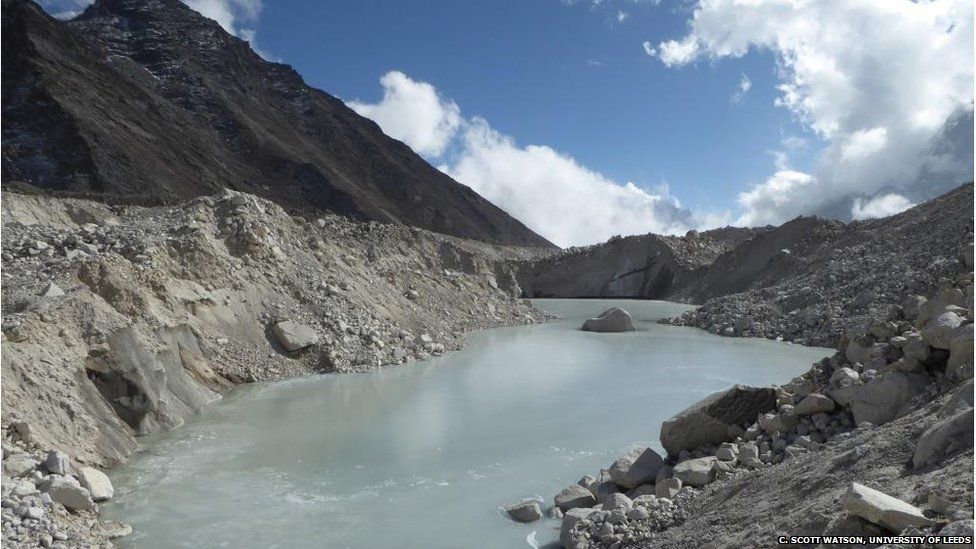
column 148, row 100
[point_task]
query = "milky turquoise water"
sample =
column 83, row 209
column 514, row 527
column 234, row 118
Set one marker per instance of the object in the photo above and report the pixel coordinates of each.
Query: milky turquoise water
column 423, row 455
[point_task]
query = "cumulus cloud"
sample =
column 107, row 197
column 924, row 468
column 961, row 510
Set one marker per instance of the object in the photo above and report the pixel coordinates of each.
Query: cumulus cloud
column 880, row 206
column 549, row 191
column 876, row 80
column 414, row 113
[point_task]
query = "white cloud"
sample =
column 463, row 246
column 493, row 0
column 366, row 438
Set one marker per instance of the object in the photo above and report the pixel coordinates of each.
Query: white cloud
column 877, row 80
column 764, row 202
column 649, row 49
column 880, row 206
column 414, row 113
column 622, row 16
column 864, row 143
column 744, row 86
column 549, row 191
column 556, row 196
column 674, row 52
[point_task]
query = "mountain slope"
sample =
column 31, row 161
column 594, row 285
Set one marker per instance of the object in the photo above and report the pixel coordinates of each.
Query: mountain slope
column 150, row 101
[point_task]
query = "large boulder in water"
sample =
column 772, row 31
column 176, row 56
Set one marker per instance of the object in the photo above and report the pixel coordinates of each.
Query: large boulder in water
column 708, row 421
column 613, row 319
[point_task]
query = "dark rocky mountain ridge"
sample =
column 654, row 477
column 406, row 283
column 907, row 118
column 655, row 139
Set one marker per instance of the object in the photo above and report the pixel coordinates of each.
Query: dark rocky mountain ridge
column 150, row 102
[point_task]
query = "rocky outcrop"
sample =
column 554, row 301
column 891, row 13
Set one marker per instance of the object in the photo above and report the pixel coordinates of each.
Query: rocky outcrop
column 613, row 319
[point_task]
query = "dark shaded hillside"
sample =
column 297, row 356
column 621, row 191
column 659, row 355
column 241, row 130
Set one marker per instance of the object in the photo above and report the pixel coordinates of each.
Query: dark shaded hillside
column 148, row 100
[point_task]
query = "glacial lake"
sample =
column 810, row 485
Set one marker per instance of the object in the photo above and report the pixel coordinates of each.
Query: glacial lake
column 424, row 455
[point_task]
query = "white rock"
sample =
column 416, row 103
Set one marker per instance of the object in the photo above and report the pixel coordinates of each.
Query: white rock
column 68, row 493
column 939, row 330
column 882, row 509
column 294, row 336
column 636, row 467
column 97, row 483
column 814, row 403
column 695, row 472
column 667, row 488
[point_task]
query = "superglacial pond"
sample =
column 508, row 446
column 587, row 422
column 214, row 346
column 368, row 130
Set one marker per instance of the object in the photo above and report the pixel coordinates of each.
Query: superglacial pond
column 423, row 455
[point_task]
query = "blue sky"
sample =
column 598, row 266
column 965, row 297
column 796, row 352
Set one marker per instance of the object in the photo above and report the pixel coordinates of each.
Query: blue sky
column 589, row 118
column 572, row 77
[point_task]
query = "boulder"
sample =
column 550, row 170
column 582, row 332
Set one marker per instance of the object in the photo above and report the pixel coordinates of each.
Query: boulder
column 882, row 509
column 525, row 511
column 613, row 319
column 960, row 351
column 636, row 467
column 16, row 465
column 97, row 483
column 954, row 432
column 696, row 472
column 68, row 492
column 887, row 397
column 574, row 496
column 57, row 462
column 937, row 304
column 570, row 519
column 294, row 336
column 939, row 330
column 708, row 421
column 727, row 452
column 667, row 488
column 617, row 501
column 960, row 528
column 814, row 403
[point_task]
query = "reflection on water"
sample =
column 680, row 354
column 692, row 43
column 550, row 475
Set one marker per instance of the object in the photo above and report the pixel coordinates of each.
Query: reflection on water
column 423, row 455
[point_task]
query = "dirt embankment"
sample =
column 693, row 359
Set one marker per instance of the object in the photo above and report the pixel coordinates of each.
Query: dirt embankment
column 124, row 321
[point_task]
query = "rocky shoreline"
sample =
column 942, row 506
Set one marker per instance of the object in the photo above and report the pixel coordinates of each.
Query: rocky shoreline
column 124, row 321
column 896, row 399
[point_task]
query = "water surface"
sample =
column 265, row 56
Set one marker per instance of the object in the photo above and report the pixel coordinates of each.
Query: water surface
column 423, row 455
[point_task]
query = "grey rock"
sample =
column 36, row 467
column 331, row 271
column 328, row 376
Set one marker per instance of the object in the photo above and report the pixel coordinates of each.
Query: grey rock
column 68, row 493
column 882, row 509
column 636, row 467
column 667, row 488
column 294, row 336
column 570, row 519
column 886, row 397
column 814, row 403
column 574, row 496
column 613, row 319
column 57, row 462
column 696, row 472
column 959, row 528
column 707, row 421
column 525, row 511
column 960, row 350
column 938, row 331
column 16, row 465
column 953, row 432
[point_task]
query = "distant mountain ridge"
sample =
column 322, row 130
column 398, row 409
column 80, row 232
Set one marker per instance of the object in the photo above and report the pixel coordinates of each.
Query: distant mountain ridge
column 148, row 101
